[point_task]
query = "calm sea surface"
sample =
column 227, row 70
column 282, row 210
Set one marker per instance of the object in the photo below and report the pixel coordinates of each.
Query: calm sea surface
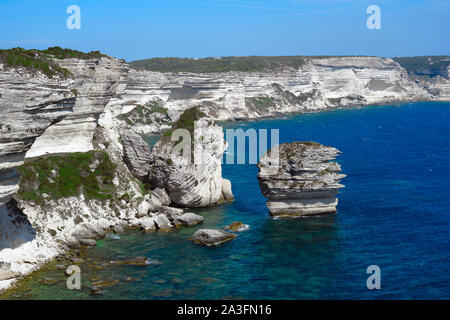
column 393, row 212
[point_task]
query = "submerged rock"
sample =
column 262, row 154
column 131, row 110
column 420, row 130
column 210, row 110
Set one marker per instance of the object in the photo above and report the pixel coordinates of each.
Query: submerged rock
column 88, row 242
column 130, row 279
column 212, row 237
column 48, row 281
column 96, row 291
column 138, row 261
column 237, row 226
column 304, row 182
column 101, row 284
column 118, row 229
column 76, row 260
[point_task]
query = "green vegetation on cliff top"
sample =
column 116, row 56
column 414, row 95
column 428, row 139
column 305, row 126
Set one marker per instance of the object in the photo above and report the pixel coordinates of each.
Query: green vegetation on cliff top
column 32, row 60
column 223, row 64
column 186, row 120
column 146, row 114
column 41, row 60
column 57, row 177
column 429, row 66
column 61, row 53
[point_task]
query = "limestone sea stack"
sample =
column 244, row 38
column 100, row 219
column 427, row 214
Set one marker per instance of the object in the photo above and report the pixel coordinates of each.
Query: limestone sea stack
column 303, row 182
column 195, row 180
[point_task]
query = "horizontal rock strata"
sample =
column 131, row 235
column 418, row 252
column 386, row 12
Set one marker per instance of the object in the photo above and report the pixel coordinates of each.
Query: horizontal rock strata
column 303, row 182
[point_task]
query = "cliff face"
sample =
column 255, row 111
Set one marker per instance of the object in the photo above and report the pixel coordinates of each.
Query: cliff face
column 302, row 182
column 29, row 104
column 96, row 82
column 42, row 117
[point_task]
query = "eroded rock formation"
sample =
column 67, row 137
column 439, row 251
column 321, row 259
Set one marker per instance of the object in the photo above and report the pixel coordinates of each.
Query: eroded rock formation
column 193, row 179
column 303, row 182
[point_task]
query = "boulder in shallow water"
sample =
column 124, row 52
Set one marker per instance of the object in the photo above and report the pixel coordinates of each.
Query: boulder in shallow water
column 190, row 219
column 162, row 223
column 212, row 237
column 88, row 242
column 147, row 224
column 170, row 212
column 118, row 229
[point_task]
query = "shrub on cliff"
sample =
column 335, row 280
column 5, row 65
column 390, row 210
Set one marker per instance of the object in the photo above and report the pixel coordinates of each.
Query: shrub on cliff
column 56, row 177
column 187, row 120
column 222, row 64
column 32, row 60
column 60, row 53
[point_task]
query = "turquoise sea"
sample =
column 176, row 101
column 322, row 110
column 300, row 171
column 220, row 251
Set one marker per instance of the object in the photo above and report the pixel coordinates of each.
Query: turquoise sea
column 393, row 212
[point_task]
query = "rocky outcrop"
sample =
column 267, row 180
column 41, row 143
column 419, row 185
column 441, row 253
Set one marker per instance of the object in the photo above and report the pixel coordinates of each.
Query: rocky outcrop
column 195, row 178
column 136, row 154
column 29, row 104
column 212, row 237
column 303, row 182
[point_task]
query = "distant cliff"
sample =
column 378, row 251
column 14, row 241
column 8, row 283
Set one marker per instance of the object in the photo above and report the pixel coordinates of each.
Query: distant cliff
column 255, row 87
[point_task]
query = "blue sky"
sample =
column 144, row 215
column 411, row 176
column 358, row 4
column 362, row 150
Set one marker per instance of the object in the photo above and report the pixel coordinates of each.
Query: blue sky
column 203, row 28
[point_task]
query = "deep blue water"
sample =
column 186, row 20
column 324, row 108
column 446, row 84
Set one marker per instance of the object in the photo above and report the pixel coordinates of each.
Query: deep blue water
column 393, row 212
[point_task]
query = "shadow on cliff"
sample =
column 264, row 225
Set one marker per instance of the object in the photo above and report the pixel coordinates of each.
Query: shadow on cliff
column 15, row 228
